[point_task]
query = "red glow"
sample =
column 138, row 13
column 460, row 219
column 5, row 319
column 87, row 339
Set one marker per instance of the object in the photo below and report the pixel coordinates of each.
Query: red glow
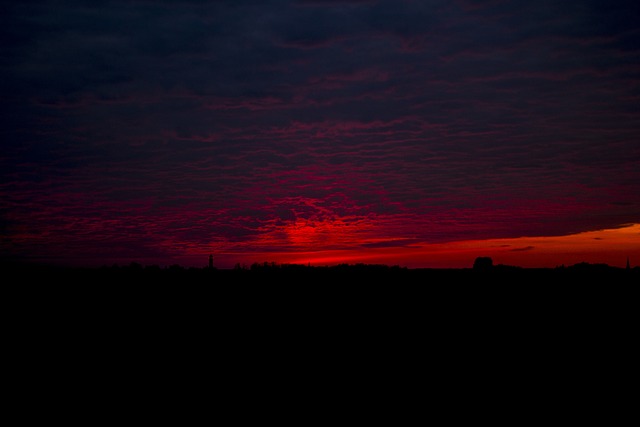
column 610, row 247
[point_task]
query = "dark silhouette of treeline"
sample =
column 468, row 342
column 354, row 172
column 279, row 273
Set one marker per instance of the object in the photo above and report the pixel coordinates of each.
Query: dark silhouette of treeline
column 482, row 271
column 294, row 297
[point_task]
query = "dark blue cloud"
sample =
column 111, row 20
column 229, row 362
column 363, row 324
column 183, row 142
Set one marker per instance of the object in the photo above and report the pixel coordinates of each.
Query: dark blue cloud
column 224, row 114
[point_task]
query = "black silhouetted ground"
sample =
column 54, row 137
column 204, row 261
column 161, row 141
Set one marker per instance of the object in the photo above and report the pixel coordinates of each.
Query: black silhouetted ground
column 480, row 270
column 343, row 276
column 507, row 318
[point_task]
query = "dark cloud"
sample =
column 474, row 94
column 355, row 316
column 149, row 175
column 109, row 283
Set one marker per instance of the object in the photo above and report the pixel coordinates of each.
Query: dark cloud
column 202, row 124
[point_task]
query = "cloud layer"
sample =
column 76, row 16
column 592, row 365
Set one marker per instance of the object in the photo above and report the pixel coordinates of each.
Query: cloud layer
column 160, row 129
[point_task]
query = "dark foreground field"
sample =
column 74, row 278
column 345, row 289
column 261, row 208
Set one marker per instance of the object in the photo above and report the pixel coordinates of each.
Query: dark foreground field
column 228, row 330
column 266, row 312
column 341, row 276
column 264, row 286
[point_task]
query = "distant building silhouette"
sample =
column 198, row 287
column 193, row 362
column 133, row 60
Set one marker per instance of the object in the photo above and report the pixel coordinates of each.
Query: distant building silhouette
column 483, row 263
column 210, row 261
column 628, row 265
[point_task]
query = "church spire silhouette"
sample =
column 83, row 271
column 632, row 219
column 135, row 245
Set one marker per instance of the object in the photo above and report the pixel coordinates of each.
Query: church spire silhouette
column 628, row 265
column 211, row 261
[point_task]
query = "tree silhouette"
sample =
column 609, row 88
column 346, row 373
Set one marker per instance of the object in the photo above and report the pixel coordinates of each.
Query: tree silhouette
column 483, row 263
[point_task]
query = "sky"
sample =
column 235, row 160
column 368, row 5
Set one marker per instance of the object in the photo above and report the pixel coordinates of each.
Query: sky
column 410, row 133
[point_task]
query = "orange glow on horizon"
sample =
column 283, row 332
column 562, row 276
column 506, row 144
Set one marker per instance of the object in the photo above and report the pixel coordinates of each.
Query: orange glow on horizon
column 611, row 246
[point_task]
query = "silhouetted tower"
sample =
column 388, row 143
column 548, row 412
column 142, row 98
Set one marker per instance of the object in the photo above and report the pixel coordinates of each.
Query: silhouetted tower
column 628, row 265
column 210, row 261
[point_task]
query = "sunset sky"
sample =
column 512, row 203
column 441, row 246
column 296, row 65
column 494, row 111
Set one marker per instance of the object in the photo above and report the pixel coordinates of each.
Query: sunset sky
column 417, row 133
